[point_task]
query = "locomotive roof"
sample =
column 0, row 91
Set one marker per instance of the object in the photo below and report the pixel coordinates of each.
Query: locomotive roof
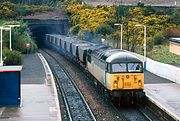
column 114, row 55
column 122, row 56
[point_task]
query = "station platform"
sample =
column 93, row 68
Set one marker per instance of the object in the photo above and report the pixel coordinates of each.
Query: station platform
column 39, row 101
column 166, row 96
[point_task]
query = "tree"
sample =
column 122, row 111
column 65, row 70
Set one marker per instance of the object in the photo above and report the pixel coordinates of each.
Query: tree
column 175, row 18
column 90, row 18
column 103, row 29
column 134, row 35
column 7, row 10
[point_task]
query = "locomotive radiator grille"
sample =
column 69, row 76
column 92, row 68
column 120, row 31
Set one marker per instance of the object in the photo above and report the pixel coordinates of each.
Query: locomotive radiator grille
column 127, row 84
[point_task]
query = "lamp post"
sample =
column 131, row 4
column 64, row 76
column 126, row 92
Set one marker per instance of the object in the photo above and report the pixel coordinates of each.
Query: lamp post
column 3, row 28
column 1, row 63
column 10, row 45
column 8, row 28
column 144, row 44
column 117, row 24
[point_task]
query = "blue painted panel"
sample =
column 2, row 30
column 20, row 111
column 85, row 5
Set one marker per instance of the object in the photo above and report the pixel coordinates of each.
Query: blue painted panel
column 9, row 88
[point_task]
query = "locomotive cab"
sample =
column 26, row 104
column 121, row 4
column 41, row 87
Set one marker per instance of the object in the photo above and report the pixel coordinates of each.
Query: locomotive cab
column 124, row 74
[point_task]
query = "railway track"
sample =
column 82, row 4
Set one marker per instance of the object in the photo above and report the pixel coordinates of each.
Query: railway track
column 76, row 107
column 134, row 113
column 138, row 114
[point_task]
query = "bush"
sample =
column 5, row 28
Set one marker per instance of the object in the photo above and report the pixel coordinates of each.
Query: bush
column 74, row 30
column 172, row 32
column 158, row 39
column 103, row 29
column 12, row 57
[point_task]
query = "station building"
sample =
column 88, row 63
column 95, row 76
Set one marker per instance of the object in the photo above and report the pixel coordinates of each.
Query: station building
column 174, row 45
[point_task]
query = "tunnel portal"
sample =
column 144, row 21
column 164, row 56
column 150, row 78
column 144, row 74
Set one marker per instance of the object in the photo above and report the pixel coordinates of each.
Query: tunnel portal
column 40, row 27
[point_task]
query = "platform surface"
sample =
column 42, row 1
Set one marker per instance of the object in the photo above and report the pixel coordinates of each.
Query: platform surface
column 166, row 95
column 37, row 105
column 33, row 71
column 37, row 98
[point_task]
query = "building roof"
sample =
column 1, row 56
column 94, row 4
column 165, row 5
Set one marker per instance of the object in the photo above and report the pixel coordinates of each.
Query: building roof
column 177, row 39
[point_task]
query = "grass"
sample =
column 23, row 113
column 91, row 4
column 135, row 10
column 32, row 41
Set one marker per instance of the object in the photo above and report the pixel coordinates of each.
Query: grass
column 161, row 53
column 1, row 22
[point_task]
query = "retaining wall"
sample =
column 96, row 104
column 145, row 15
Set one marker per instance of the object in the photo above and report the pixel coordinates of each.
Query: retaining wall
column 163, row 70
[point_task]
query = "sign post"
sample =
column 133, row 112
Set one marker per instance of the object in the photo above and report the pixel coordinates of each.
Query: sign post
column 27, row 47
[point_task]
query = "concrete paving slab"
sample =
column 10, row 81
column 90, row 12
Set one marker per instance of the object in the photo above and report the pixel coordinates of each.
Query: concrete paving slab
column 38, row 104
column 166, row 96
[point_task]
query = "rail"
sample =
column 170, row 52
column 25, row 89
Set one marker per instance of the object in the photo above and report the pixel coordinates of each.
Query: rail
column 76, row 105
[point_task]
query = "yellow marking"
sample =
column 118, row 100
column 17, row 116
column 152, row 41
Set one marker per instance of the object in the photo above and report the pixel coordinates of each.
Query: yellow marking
column 127, row 81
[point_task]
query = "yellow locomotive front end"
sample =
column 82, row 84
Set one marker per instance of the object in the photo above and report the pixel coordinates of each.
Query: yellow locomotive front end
column 126, row 79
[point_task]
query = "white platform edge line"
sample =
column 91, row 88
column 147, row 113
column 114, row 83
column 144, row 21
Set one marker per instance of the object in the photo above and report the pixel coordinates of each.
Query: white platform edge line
column 48, row 70
column 163, row 107
column 2, row 110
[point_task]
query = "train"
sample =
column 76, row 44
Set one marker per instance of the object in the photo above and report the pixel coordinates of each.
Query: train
column 118, row 72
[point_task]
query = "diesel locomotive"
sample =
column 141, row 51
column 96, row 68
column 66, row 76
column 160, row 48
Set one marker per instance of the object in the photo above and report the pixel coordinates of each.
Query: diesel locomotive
column 118, row 72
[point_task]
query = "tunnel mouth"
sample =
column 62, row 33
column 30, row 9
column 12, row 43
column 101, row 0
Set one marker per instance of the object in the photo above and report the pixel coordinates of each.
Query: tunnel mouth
column 39, row 33
column 39, row 27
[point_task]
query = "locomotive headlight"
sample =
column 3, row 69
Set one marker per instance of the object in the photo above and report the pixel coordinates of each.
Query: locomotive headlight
column 115, row 84
column 139, row 83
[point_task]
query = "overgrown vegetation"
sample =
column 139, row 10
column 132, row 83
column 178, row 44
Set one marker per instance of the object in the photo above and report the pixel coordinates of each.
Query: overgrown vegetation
column 43, row 2
column 90, row 18
column 160, row 23
column 20, row 35
column 12, row 57
column 94, row 23
column 9, row 10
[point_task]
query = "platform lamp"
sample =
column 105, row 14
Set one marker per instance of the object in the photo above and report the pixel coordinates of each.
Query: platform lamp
column 1, row 63
column 2, row 28
column 118, row 24
column 139, row 25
